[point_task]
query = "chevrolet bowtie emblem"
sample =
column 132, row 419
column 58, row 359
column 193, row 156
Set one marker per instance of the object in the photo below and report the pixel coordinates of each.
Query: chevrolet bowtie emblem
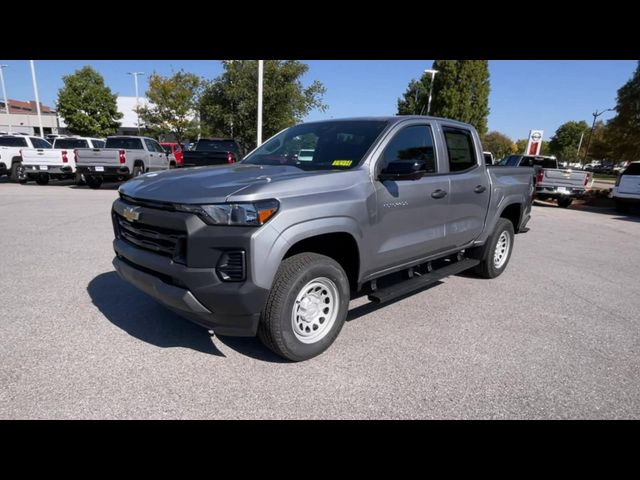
column 131, row 214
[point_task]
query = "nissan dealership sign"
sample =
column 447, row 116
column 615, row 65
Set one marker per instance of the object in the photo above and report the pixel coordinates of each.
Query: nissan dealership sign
column 535, row 142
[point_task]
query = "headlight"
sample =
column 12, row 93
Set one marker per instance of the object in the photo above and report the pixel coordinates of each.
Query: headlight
column 250, row 214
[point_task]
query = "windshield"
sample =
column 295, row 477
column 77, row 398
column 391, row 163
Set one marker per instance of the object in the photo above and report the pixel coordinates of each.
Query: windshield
column 124, row 143
column 331, row 145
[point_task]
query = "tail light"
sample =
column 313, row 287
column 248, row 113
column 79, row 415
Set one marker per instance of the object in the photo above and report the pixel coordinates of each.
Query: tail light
column 75, row 155
column 587, row 178
column 65, row 159
column 540, row 175
column 230, row 158
column 122, row 157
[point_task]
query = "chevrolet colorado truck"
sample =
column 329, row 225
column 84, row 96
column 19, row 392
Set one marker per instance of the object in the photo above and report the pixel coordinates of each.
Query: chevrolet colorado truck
column 11, row 147
column 59, row 162
column 277, row 247
column 122, row 158
column 552, row 182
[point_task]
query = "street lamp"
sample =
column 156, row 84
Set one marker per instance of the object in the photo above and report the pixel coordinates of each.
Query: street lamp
column 433, row 74
column 35, row 91
column 135, row 82
column 595, row 114
column 260, row 80
column 4, row 93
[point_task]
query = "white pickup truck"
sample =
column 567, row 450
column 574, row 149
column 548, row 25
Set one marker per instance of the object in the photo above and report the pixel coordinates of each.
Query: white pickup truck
column 11, row 147
column 59, row 162
column 122, row 158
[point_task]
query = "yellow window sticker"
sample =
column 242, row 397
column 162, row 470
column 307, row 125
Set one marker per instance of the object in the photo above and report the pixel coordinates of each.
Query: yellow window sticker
column 342, row 163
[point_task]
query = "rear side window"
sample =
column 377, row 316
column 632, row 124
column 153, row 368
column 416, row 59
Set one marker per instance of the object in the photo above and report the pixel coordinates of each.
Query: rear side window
column 13, row 142
column 216, row 146
column 546, row 162
column 97, row 143
column 632, row 169
column 412, row 144
column 460, row 149
column 40, row 143
column 70, row 143
column 124, row 143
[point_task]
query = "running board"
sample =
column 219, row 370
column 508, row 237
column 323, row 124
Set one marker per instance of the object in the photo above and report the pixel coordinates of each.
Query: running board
column 388, row 293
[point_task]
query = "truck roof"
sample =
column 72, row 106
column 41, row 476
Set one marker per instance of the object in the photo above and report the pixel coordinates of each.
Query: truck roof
column 392, row 119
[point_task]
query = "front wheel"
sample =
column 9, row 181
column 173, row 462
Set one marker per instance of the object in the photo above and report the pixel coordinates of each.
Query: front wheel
column 137, row 171
column 622, row 207
column 564, row 202
column 306, row 308
column 17, row 172
column 498, row 253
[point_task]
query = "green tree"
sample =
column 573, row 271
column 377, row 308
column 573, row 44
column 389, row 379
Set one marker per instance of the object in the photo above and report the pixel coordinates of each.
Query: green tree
column 87, row 105
column 624, row 128
column 460, row 92
column 521, row 146
column 498, row 144
column 230, row 102
column 565, row 141
column 173, row 105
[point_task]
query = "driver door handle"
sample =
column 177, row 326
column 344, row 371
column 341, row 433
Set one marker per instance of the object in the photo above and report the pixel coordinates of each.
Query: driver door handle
column 480, row 189
column 439, row 193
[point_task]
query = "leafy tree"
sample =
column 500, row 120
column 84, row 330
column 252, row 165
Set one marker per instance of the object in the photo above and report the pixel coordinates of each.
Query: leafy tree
column 498, row 144
column 230, row 102
column 87, row 105
column 600, row 146
column 565, row 141
column 624, row 128
column 460, row 92
column 173, row 105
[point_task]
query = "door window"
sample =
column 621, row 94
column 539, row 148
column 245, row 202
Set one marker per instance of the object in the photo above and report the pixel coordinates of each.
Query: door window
column 412, row 144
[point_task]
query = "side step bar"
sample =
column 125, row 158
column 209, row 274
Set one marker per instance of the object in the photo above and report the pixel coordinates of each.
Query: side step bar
column 388, row 293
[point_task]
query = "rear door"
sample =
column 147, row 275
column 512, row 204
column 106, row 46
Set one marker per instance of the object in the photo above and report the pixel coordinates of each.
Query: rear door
column 155, row 161
column 630, row 180
column 470, row 189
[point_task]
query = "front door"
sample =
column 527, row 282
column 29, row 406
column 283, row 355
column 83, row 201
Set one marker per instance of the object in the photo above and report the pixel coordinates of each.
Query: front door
column 411, row 214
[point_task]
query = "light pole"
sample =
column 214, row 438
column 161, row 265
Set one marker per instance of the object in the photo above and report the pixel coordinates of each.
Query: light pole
column 4, row 93
column 433, row 74
column 35, row 91
column 595, row 114
column 135, row 83
column 260, row 80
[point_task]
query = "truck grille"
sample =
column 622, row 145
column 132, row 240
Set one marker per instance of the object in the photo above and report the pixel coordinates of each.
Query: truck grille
column 164, row 241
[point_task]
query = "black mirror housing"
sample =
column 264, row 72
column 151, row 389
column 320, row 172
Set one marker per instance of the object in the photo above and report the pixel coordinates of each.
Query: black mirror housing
column 399, row 170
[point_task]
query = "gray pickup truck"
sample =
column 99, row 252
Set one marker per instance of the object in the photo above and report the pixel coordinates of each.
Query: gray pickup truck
column 122, row 158
column 277, row 247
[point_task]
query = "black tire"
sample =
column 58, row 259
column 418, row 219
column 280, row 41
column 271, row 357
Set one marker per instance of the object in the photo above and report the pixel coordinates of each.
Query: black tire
column 564, row 202
column 137, row 171
column 622, row 207
column 79, row 179
column 487, row 267
column 172, row 165
column 42, row 179
column 15, row 174
column 276, row 328
column 93, row 182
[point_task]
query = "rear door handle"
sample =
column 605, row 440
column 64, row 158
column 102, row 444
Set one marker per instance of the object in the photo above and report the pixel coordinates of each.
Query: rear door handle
column 439, row 193
column 480, row 189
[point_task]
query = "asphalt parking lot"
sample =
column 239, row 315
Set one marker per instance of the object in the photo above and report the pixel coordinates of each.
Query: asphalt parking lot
column 556, row 336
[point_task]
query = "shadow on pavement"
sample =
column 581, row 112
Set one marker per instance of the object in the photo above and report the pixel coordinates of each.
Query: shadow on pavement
column 144, row 318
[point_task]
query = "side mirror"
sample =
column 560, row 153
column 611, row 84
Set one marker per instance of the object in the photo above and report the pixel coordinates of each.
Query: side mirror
column 402, row 171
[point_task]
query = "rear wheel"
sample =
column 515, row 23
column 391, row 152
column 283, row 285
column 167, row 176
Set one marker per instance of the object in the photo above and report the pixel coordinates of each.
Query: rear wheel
column 498, row 250
column 622, row 207
column 306, row 308
column 93, row 182
column 79, row 179
column 564, row 202
column 137, row 171
column 42, row 179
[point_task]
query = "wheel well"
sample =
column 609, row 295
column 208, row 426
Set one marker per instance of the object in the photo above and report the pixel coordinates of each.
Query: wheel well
column 512, row 213
column 138, row 163
column 340, row 246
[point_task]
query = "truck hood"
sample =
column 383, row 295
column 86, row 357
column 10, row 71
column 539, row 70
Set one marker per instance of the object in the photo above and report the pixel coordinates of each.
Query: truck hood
column 205, row 184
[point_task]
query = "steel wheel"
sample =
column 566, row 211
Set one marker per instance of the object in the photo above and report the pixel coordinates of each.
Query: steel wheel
column 315, row 310
column 501, row 252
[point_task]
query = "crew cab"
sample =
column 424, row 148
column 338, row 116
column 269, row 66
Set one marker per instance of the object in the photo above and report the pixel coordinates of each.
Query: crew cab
column 561, row 184
column 122, row 157
column 277, row 247
column 212, row 151
column 10, row 147
column 59, row 162
column 626, row 191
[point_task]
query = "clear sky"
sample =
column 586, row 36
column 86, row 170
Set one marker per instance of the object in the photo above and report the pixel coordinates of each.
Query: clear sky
column 525, row 94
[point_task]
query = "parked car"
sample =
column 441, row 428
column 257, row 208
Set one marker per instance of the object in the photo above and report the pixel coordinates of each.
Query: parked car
column 276, row 246
column 551, row 182
column 619, row 168
column 488, row 158
column 174, row 149
column 626, row 191
column 212, row 151
column 10, row 152
column 122, row 158
column 58, row 162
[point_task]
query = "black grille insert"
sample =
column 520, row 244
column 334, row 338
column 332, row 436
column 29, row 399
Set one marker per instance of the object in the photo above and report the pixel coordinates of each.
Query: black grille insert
column 164, row 241
column 231, row 266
